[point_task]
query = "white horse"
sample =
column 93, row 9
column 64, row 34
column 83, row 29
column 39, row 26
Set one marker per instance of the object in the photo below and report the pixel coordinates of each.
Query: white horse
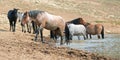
column 20, row 16
column 76, row 30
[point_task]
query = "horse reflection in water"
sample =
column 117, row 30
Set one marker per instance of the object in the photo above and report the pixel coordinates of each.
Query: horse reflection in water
column 95, row 29
column 45, row 20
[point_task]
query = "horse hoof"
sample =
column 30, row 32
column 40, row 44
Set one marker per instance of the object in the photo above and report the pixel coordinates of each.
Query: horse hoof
column 24, row 31
column 43, row 41
column 13, row 31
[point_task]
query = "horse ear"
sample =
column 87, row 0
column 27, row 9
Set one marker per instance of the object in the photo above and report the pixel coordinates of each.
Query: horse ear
column 16, row 9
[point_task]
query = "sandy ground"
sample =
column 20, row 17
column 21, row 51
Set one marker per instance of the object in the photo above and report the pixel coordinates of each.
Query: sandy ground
column 20, row 46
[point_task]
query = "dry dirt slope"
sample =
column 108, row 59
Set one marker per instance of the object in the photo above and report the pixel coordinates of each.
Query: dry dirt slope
column 19, row 46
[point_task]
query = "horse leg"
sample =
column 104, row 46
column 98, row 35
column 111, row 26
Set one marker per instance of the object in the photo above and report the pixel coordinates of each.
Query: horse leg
column 14, row 25
column 37, row 32
column 27, row 27
column 24, row 28
column 98, row 36
column 30, row 27
column 102, row 32
column 84, row 37
column 87, row 36
column 51, row 35
column 10, row 25
column 34, row 27
column 78, row 37
column 61, row 33
column 90, row 36
column 41, row 33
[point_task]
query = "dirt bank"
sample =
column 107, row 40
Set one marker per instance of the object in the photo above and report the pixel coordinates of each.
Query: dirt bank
column 20, row 46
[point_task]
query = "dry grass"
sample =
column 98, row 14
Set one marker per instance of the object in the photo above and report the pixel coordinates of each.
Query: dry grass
column 95, row 11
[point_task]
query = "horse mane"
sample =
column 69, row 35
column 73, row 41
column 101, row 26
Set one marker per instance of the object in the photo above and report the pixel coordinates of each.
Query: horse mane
column 86, row 24
column 34, row 13
column 77, row 21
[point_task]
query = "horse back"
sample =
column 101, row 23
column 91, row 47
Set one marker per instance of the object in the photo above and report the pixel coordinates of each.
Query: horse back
column 53, row 22
column 77, row 29
column 11, row 15
column 98, row 28
column 91, row 29
column 94, row 29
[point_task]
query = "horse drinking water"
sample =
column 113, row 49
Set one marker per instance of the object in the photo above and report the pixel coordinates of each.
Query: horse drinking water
column 45, row 20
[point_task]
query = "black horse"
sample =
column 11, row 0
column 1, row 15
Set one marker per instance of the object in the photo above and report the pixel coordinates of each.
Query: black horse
column 12, row 16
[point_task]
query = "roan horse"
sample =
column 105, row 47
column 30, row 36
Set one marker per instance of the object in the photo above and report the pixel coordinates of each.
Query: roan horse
column 45, row 20
column 96, row 29
column 12, row 16
column 77, row 30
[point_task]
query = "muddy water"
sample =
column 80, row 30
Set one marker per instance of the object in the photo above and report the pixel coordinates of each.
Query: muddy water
column 110, row 46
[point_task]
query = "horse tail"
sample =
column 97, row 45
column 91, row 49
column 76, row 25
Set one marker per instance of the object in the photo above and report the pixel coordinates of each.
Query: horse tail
column 102, row 32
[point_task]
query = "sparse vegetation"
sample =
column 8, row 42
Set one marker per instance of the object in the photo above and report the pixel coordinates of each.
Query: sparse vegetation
column 16, row 45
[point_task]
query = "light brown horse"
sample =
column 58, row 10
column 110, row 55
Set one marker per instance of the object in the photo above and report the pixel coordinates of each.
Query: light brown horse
column 95, row 29
column 45, row 20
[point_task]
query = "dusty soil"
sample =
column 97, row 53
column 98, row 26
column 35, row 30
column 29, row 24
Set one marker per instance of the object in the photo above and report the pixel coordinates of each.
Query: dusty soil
column 20, row 46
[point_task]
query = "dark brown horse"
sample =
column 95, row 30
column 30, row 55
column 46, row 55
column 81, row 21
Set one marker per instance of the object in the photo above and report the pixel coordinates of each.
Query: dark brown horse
column 45, row 20
column 95, row 29
column 77, row 21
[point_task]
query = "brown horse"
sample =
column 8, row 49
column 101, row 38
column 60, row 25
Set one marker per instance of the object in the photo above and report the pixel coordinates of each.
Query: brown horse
column 77, row 21
column 45, row 20
column 96, row 29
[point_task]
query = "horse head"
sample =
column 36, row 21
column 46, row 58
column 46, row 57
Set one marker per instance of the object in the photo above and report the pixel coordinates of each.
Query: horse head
column 81, row 21
column 86, row 24
column 25, row 18
column 15, row 10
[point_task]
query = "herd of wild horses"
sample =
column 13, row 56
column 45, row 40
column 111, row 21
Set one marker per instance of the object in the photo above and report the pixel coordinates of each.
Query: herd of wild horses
column 38, row 20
